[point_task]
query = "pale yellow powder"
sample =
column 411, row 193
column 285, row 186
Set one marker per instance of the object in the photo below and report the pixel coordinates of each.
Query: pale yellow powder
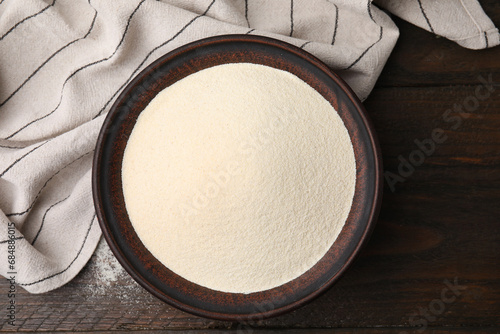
column 239, row 177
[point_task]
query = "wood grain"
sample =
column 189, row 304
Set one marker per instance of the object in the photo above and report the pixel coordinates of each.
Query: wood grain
column 440, row 226
column 321, row 331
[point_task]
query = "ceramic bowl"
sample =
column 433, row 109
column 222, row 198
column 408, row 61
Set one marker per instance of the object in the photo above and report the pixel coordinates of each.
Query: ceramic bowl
column 174, row 289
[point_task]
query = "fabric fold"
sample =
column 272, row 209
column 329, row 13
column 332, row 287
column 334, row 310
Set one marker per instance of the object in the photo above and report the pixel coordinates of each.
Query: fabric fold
column 461, row 21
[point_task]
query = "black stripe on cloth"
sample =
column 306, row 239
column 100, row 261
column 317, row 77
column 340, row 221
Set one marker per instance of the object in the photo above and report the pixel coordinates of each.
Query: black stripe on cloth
column 71, row 263
column 336, row 23
column 304, row 45
column 48, row 59
column 486, row 39
column 150, row 53
column 75, row 72
column 369, row 8
column 366, row 50
column 45, row 184
column 22, row 157
column 12, row 147
column 26, row 19
column 246, row 13
column 18, row 145
column 425, row 16
column 43, row 219
column 16, row 238
column 249, row 31
column 291, row 18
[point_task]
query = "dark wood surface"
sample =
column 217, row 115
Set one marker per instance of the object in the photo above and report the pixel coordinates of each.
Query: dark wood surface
column 438, row 228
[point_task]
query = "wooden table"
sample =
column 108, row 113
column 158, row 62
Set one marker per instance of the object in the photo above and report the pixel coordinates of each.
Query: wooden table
column 434, row 258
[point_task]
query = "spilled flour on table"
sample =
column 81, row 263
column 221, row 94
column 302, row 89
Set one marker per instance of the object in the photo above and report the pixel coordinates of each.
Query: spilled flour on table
column 109, row 277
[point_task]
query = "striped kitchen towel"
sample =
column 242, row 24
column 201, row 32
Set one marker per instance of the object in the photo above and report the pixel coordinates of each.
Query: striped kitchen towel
column 63, row 63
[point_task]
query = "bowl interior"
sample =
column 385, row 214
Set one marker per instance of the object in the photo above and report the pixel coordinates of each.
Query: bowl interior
column 152, row 274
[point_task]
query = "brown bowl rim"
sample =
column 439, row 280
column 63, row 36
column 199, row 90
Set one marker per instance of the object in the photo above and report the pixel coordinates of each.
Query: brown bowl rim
column 287, row 49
